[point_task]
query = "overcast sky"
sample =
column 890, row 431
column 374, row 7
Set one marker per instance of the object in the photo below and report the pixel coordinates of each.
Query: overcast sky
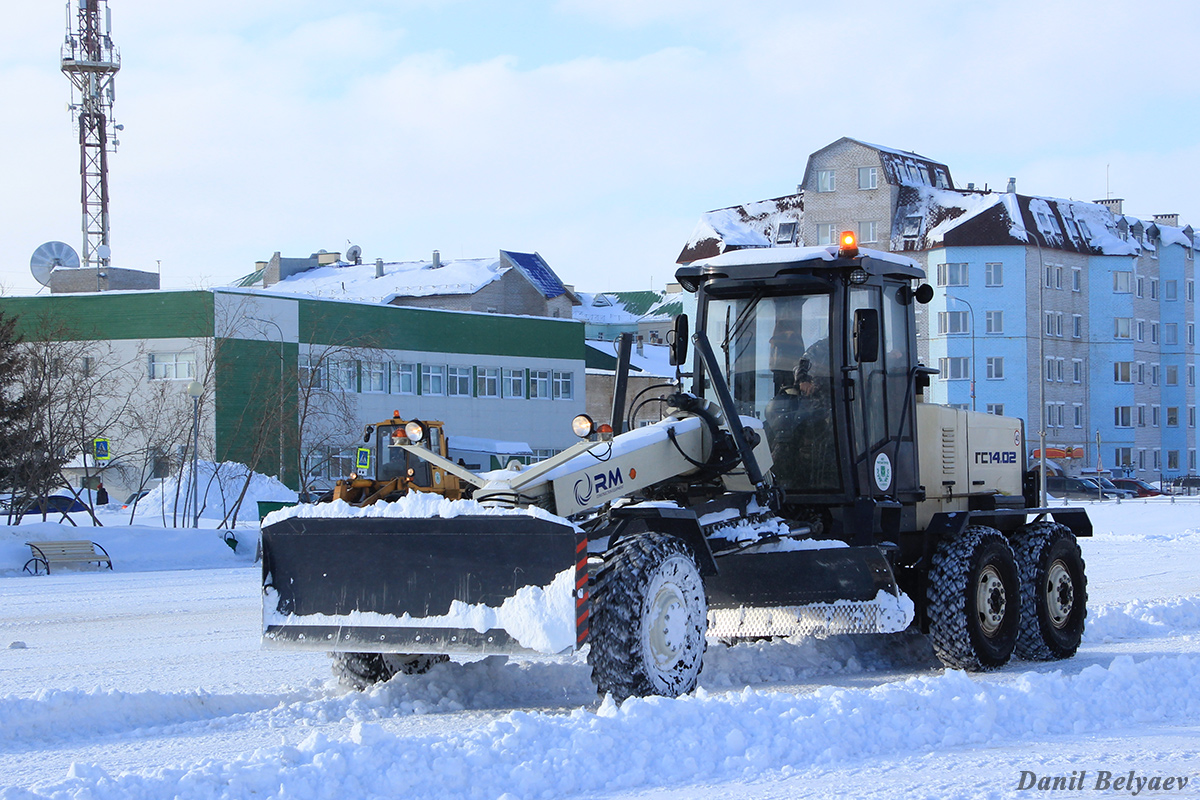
column 592, row 131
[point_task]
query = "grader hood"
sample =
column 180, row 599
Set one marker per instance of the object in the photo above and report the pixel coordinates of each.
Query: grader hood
column 506, row 583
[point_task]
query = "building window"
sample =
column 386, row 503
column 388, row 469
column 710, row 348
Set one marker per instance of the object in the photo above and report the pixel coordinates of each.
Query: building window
column 344, row 375
column 994, row 321
column 993, row 274
column 1078, row 409
column 1191, row 416
column 1191, row 288
column 786, row 233
column 1191, row 333
column 539, row 383
column 1191, row 375
column 954, row 369
column 1153, row 333
column 1157, row 459
column 1122, row 328
column 312, row 374
column 375, row 377
column 950, row 322
column 1154, row 288
column 1170, row 290
column 1141, row 372
column 1155, row 414
column 1172, row 416
column 1077, row 370
column 1123, row 417
column 172, row 366
column 1191, row 459
column 433, row 379
column 1154, row 374
column 1141, row 415
column 995, row 368
column 1173, row 459
column 996, row 408
column 1172, row 375
column 1141, row 286
column 1123, row 457
column 826, row 180
column 1122, row 282
column 1123, row 371
column 827, row 233
column 868, row 232
column 487, row 382
column 458, row 381
column 1076, row 279
column 1170, row 333
column 1049, row 369
column 564, row 385
column 868, row 178
column 952, row 274
column 912, row 226
column 1141, row 330
column 1077, row 326
column 404, row 378
column 513, row 381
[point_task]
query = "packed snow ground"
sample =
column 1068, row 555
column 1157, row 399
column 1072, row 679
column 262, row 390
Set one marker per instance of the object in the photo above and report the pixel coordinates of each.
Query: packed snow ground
column 148, row 682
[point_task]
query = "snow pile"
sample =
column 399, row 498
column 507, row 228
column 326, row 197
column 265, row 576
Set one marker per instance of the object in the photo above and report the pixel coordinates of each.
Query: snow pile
column 133, row 548
column 641, row 744
column 220, row 487
column 1141, row 619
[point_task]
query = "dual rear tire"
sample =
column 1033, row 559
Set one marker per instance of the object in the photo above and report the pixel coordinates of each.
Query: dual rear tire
column 989, row 599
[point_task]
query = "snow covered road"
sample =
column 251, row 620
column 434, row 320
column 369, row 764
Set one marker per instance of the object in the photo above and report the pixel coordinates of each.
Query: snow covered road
column 151, row 684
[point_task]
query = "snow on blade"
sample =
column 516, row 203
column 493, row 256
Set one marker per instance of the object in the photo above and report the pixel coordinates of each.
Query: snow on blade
column 539, row 618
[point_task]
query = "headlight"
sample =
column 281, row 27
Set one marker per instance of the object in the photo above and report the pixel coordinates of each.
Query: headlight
column 416, row 431
column 583, row 426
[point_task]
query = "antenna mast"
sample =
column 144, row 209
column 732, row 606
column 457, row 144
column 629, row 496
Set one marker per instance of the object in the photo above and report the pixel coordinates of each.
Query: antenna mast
column 91, row 62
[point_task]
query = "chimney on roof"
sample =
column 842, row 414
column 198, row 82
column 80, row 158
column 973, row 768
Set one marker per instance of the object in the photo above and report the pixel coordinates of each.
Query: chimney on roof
column 1113, row 204
column 1012, row 186
column 437, row 259
column 379, row 268
column 1167, row 219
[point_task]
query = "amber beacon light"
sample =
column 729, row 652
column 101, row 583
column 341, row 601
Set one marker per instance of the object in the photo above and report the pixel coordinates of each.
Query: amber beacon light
column 849, row 245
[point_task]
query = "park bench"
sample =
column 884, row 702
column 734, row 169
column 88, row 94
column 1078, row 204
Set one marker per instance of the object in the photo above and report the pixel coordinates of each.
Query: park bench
column 65, row 552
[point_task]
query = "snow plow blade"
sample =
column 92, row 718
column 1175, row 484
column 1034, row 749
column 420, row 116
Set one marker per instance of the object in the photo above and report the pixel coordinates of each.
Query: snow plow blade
column 467, row 584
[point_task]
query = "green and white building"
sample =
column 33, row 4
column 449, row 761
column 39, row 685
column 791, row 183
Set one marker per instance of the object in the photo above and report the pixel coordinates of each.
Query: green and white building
column 290, row 381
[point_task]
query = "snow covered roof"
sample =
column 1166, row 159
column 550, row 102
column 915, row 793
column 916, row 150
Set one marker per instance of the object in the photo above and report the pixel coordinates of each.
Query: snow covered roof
column 464, row 276
column 655, row 359
column 926, row 217
column 760, row 224
column 626, row 308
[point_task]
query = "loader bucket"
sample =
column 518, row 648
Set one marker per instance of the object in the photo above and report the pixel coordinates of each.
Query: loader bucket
column 464, row 584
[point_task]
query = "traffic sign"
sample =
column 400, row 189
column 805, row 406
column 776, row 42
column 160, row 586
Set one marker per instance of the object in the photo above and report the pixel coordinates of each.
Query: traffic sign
column 363, row 463
column 100, row 449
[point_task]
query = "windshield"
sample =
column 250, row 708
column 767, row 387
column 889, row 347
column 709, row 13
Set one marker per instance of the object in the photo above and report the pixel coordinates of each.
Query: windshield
column 394, row 461
column 774, row 354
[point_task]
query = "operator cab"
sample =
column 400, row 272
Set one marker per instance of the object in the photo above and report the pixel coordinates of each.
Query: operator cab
column 817, row 343
column 395, row 462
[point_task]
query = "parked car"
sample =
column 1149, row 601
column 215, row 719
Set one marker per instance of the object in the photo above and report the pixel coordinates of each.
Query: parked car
column 1110, row 488
column 57, row 504
column 1138, row 486
column 1074, row 488
column 133, row 498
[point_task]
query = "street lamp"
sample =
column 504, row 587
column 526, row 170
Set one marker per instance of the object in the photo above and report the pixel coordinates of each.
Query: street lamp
column 281, row 363
column 971, row 310
column 1041, row 282
column 194, row 390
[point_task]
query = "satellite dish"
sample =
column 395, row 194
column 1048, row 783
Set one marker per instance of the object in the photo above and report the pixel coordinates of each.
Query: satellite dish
column 51, row 256
column 354, row 254
column 104, row 252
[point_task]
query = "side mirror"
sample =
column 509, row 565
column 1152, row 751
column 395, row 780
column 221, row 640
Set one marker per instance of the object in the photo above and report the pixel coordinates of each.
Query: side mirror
column 679, row 341
column 924, row 293
column 866, row 335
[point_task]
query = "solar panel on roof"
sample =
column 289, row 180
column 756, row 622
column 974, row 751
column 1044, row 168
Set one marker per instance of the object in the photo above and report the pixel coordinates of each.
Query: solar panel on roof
column 538, row 272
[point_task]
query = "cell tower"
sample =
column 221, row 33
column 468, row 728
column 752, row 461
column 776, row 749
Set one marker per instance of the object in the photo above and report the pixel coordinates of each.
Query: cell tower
column 91, row 62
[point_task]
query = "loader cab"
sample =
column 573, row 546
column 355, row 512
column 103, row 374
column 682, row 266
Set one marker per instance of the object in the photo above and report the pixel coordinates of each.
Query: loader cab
column 394, row 462
column 820, row 344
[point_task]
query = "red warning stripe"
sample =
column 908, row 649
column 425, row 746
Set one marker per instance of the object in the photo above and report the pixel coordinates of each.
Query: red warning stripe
column 582, row 595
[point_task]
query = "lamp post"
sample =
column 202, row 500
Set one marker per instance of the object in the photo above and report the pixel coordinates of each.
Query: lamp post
column 281, row 362
column 970, row 310
column 194, row 390
column 1041, row 282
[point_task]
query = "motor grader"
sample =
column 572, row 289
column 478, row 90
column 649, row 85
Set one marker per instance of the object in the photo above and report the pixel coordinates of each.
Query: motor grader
column 386, row 471
column 797, row 484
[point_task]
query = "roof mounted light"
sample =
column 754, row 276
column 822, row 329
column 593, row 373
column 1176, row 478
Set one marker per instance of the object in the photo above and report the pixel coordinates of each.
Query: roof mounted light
column 859, row 275
column 583, row 426
column 848, row 245
column 416, row 431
